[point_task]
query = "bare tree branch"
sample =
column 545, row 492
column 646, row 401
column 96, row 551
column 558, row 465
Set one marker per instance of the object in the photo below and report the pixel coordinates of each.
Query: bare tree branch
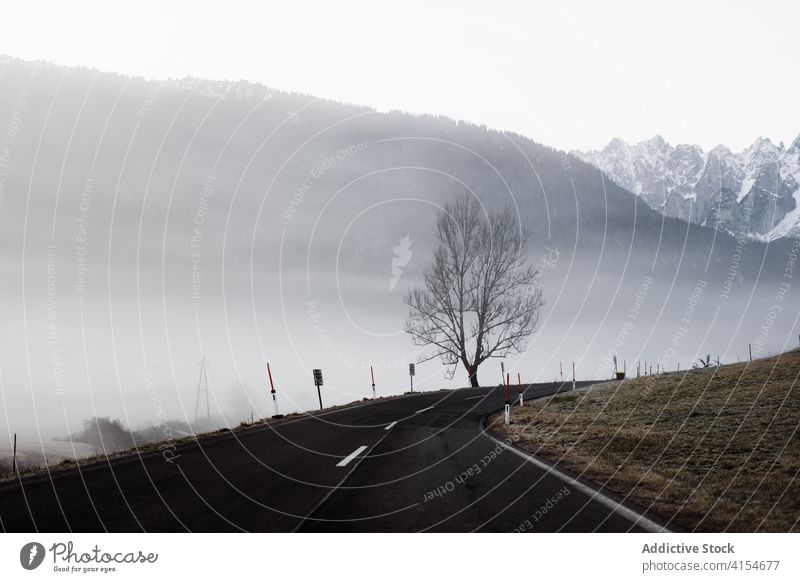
column 479, row 298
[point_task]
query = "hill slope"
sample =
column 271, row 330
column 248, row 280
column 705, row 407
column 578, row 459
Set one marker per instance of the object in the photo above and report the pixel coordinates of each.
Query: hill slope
column 710, row 450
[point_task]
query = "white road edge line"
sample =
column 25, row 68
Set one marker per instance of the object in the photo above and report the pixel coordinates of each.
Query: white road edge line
column 424, row 409
column 615, row 506
column 389, row 426
column 351, row 456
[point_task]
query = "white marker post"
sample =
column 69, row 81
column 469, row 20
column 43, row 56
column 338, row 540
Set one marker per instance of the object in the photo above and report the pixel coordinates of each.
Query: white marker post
column 519, row 383
column 508, row 402
column 272, row 390
column 411, row 372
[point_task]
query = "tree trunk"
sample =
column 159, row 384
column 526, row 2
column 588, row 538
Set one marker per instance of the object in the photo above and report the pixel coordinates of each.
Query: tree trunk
column 473, row 376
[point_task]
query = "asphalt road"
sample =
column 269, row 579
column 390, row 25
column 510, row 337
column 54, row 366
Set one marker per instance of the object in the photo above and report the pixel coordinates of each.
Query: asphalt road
column 414, row 463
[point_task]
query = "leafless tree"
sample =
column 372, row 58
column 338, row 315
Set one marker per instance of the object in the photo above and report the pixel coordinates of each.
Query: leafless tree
column 479, row 298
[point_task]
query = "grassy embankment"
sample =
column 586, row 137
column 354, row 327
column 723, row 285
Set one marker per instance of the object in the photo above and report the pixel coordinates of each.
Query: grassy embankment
column 715, row 449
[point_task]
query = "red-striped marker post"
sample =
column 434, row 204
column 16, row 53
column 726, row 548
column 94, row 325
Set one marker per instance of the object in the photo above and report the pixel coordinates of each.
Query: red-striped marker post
column 272, row 390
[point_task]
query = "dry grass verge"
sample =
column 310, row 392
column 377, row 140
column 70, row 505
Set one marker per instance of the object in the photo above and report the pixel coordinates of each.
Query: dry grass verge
column 711, row 450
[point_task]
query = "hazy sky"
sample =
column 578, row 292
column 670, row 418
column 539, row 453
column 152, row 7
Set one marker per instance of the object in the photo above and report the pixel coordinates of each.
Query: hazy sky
column 567, row 74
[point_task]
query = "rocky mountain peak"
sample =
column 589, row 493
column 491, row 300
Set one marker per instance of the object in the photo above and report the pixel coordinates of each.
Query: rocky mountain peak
column 755, row 191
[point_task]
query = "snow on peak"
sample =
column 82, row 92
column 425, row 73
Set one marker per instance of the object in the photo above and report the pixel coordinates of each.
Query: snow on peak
column 711, row 188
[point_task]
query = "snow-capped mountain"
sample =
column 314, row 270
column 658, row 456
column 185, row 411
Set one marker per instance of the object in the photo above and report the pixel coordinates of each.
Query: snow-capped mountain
column 753, row 193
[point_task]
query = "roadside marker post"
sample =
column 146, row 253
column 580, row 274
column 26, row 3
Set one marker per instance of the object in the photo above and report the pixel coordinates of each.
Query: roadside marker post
column 508, row 402
column 318, row 383
column 372, row 374
column 573, row 375
column 519, row 383
column 411, row 371
column 272, row 390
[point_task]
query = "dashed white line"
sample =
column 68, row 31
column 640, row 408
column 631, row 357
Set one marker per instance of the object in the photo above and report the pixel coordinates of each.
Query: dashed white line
column 424, row 409
column 389, row 426
column 475, row 397
column 351, row 456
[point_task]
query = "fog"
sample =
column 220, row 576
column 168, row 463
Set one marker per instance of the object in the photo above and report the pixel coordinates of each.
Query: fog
column 145, row 225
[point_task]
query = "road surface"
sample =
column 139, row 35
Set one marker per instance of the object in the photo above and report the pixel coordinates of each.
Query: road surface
column 419, row 462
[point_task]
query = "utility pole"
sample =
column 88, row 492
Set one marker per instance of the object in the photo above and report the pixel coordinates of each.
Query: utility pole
column 372, row 374
column 750, row 349
column 14, row 457
column 202, row 387
column 561, row 370
column 573, row 375
column 519, row 384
